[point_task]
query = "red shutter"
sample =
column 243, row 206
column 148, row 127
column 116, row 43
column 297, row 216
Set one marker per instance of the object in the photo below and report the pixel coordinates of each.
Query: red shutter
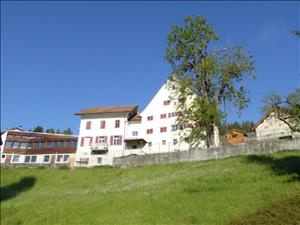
column 82, row 141
column 105, row 139
column 111, row 140
column 97, row 139
column 91, row 140
column 120, row 142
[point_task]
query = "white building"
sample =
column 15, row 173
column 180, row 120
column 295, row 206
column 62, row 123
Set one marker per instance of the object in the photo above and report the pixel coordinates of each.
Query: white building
column 270, row 127
column 107, row 132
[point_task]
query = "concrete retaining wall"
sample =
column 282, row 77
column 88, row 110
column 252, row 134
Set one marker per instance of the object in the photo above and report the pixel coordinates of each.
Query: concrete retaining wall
column 257, row 147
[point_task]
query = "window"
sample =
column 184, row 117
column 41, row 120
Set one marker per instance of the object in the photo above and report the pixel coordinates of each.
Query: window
column 27, row 158
column 88, row 125
column 174, row 127
column 55, row 144
column 74, row 143
column 163, row 116
column 149, row 131
column 149, row 118
column 66, row 157
column 172, row 114
column 117, row 123
column 167, row 102
column 68, row 144
column 36, row 145
column 42, row 145
column 22, row 145
column 29, row 145
column 16, row 144
column 59, row 158
column 102, row 124
column 187, row 140
column 149, row 144
column 164, row 142
column 175, row 141
column 16, row 158
column 135, row 133
column 163, row 129
column 83, row 161
column 3, row 156
column 116, row 140
column 33, row 158
column 46, row 158
column 61, row 144
column 8, row 144
column 99, row 160
column 234, row 135
column 101, row 139
column 50, row 144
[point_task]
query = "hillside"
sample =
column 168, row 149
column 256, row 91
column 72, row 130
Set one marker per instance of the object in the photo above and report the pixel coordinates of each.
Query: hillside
column 230, row 191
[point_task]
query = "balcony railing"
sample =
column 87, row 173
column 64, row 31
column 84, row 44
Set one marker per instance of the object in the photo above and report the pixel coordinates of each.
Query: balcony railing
column 99, row 146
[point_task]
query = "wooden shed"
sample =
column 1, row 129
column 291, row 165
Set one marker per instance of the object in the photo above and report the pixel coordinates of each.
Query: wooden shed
column 236, row 136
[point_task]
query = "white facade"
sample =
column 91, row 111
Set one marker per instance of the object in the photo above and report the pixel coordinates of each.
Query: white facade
column 154, row 132
column 271, row 127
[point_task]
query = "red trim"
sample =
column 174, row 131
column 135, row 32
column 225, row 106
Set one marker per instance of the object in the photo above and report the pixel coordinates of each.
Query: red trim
column 91, row 140
column 97, row 139
column 105, row 139
column 88, row 125
column 111, row 140
column 120, row 140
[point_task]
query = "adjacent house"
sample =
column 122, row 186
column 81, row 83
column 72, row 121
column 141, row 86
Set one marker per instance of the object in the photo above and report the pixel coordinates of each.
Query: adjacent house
column 236, row 136
column 108, row 132
column 26, row 148
column 270, row 127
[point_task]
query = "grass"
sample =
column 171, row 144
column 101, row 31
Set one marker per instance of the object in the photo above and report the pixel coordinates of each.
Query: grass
column 221, row 192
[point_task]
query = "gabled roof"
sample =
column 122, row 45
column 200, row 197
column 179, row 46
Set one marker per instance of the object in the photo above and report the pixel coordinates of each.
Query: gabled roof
column 136, row 117
column 261, row 120
column 111, row 109
column 236, row 130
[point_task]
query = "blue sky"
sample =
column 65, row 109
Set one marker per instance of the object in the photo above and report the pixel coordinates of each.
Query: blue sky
column 60, row 57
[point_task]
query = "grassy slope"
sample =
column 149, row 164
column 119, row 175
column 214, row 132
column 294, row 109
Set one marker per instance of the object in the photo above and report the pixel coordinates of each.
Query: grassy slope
column 211, row 192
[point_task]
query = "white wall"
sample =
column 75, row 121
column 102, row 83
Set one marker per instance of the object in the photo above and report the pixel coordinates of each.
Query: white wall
column 272, row 127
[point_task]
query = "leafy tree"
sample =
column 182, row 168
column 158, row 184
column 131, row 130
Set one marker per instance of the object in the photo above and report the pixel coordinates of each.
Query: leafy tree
column 205, row 79
column 50, row 130
column 38, row 128
column 285, row 108
column 68, row 131
column 245, row 126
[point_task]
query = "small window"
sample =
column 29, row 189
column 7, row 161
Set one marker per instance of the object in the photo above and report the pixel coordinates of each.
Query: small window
column 23, row 145
column 116, row 140
column 234, row 135
column 66, row 157
column 135, row 133
column 149, row 118
column 164, row 142
column 55, row 144
column 59, row 158
column 187, row 140
column 74, row 143
column 33, row 158
column 29, row 145
column 61, row 144
column 8, row 144
column 16, row 158
column 88, row 125
column 149, row 131
column 36, row 145
column 163, row 116
column 42, row 145
column 46, row 158
column 174, row 127
column 27, row 158
column 3, row 156
column 16, row 144
column 175, row 141
column 117, row 123
column 50, row 144
column 163, row 129
column 99, row 160
column 101, row 139
column 68, row 144
column 149, row 144
column 167, row 102
column 102, row 124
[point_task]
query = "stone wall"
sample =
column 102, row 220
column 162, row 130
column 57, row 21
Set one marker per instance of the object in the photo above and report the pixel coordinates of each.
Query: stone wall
column 197, row 154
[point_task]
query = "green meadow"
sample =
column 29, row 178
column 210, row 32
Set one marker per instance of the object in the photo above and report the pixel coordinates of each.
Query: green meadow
column 256, row 189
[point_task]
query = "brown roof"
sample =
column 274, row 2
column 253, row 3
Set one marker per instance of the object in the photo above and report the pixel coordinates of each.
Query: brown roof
column 136, row 117
column 236, row 130
column 22, row 135
column 111, row 109
column 261, row 121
